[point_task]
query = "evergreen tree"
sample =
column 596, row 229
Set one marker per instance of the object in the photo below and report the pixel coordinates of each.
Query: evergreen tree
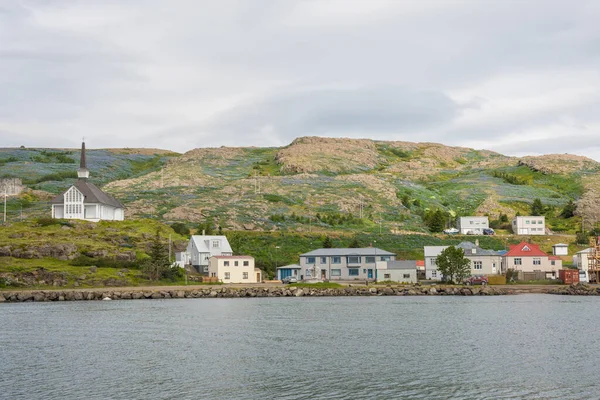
column 569, row 210
column 354, row 244
column 453, row 264
column 157, row 266
column 537, row 208
column 327, row 243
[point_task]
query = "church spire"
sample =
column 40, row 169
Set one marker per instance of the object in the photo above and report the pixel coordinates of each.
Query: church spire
column 83, row 172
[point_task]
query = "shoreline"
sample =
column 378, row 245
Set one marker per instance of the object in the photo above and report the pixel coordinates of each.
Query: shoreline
column 275, row 290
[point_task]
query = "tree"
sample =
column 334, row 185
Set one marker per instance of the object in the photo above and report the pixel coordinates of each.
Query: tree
column 537, row 208
column 327, row 243
column 157, row 266
column 181, row 228
column 435, row 221
column 207, row 227
column 354, row 244
column 453, row 264
column 569, row 210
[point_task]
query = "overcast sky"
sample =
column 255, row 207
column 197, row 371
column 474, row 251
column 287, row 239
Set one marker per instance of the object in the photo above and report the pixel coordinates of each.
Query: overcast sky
column 518, row 77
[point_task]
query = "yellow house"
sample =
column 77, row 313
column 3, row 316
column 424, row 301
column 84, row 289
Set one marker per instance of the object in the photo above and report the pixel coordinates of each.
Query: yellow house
column 234, row 269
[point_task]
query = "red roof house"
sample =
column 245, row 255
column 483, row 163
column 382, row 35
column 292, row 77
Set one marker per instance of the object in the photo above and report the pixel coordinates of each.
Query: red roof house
column 528, row 257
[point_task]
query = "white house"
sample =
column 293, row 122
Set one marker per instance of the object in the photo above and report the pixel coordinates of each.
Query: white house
column 483, row 261
column 289, row 270
column 404, row 271
column 560, row 249
column 529, row 225
column 234, row 269
column 472, row 225
column 581, row 259
column 202, row 247
column 84, row 200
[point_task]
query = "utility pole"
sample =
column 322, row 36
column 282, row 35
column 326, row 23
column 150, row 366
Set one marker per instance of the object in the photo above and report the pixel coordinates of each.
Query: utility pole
column 169, row 247
column 5, row 204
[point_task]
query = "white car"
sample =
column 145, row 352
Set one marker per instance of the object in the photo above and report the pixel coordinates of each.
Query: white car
column 583, row 277
column 451, row 231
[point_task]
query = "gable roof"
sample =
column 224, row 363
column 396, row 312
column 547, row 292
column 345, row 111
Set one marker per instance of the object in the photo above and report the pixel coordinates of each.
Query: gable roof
column 91, row 194
column 478, row 250
column 365, row 251
column 202, row 243
column 525, row 249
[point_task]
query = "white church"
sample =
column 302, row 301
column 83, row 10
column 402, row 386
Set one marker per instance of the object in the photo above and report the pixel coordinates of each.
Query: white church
column 86, row 201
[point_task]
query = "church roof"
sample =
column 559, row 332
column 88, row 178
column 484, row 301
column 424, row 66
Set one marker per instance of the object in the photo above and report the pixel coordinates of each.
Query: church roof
column 82, row 163
column 91, row 194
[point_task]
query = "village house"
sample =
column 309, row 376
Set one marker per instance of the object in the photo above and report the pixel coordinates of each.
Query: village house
column 528, row 257
column 483, row 261
column 84, row 200
column 234, row 269
column 343, row 264
column 201, row 248
column 285, row 271
column 560, row 249
column 529, row 225
column 472, row 225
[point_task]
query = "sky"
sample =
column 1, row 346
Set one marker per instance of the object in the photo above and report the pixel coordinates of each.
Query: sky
column 517, row 77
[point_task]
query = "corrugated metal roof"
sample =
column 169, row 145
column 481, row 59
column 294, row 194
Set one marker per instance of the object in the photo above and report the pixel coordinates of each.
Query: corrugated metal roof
column 402, row 264
column 365, row 251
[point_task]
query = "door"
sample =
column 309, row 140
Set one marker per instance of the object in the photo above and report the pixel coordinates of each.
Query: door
column 323, row 274
column 370, row 273
column 258, row 277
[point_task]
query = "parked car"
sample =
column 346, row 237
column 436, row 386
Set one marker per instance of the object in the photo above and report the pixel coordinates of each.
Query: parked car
column 476, row 280
column 289, row 279
column 451, row 231
column 583, row 276
column 488, row 231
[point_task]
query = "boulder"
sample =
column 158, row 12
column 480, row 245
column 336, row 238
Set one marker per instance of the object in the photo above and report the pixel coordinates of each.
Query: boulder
column 299, row 293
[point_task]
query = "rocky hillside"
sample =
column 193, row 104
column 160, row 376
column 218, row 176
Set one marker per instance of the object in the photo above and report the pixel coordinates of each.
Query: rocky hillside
column 322, row 183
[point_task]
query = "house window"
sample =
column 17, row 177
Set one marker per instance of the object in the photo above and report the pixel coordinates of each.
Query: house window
column 370, row 259
column 323, row 260
column 336, row 272
column 213, row 274
column 434, row 274
column 406, row 276
column 246, row 263
column 527, row 222
column 517, row 261
column 353, row 272
column 364, row 270
column 537, row 261
column 205, row 269
column 310, row 260
column 227, row 275
column 336, row 260
column 235, row 263
column 477, row 265
column 353, row 260
column 245, row 275
column 215, row 244
column 386, row 276
column 552, row 262
column 226, row 263
column 385, row 258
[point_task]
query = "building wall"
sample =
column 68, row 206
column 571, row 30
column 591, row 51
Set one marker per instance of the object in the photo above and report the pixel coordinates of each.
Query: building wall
column 397, row 275
column 473, row 224
column 332, row 270
column 529, row 225
column 232, row 273
column 527, row 264
column 560, row 250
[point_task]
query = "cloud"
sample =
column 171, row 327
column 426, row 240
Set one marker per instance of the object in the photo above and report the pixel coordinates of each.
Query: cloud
column 188, row 73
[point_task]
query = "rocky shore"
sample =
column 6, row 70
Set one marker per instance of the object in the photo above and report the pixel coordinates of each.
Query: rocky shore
column 235, row 292
column 287, row 291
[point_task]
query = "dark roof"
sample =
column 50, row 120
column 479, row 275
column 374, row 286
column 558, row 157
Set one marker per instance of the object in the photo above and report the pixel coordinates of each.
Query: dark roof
column 365, row 251
column 91, row 194
column 82, row 163
column 402, row 264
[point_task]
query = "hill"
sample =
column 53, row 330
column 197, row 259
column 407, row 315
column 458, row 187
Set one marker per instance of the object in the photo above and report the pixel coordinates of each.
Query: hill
column 316, row 184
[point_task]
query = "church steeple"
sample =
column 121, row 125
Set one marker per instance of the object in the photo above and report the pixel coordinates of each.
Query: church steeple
column 83, row 172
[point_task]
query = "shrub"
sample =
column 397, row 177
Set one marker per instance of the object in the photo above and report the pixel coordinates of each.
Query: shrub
column 181, row 228
column 47, row 221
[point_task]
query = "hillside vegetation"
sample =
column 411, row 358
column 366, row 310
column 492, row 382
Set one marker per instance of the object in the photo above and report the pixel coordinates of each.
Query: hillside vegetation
column 317, row 185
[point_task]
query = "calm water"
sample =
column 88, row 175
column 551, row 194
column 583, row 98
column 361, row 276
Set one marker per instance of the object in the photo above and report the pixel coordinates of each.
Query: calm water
column 510, row 347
